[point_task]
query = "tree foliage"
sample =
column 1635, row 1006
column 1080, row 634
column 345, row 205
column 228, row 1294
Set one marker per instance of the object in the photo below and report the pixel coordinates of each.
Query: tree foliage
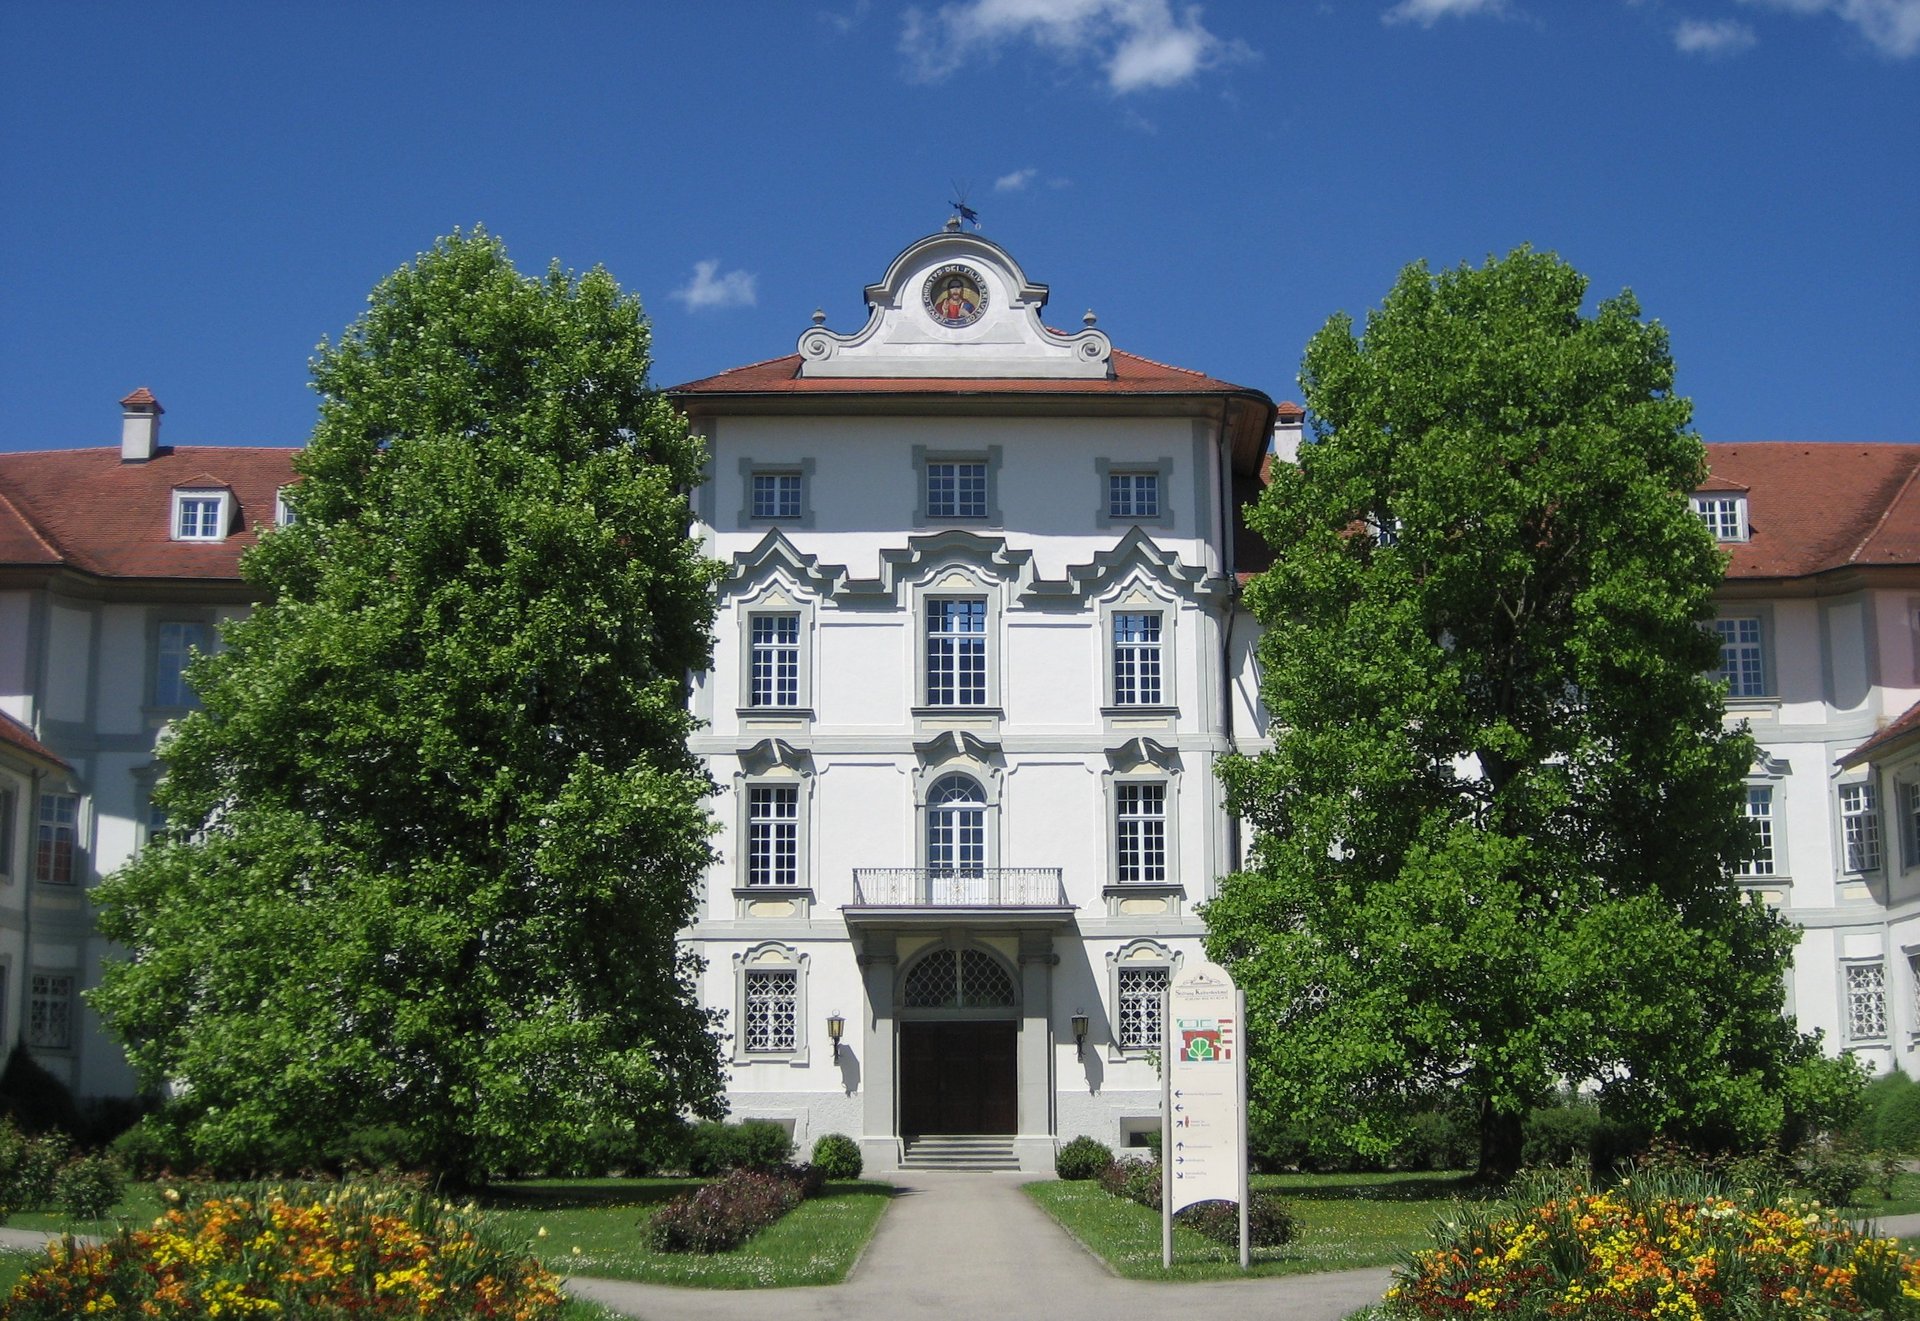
column 1496, row 830
column 436, row 827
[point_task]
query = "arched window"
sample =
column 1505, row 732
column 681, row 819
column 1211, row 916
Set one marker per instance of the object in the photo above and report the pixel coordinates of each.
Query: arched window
column 956, row 826
column 957, row 979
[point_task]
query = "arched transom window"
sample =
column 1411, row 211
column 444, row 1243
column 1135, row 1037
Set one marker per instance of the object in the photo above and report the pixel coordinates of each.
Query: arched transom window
column 958, row 979
column 956, row 825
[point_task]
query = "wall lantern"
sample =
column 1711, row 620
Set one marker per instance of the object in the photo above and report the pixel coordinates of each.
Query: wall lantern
column 1079, row 1035
column 835, row 1026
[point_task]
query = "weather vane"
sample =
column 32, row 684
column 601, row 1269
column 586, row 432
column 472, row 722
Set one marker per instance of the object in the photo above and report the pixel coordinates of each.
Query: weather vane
column 967, row 213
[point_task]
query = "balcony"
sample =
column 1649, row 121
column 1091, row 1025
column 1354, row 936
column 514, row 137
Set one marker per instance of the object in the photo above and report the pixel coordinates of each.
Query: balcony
column 1020, row 896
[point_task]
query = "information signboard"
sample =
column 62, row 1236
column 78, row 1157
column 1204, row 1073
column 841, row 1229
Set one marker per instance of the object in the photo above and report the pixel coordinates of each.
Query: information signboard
column 1203, row 1108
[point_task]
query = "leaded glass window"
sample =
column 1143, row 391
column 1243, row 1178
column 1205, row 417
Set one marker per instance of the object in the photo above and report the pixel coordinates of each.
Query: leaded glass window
column 957, row 652
column 50, row 1011
column 1139, row 1009
column 1136, row 659
column 772, row 1010
column 774, row 661
column 1860, row 827
column 1866, row 1001
column 957, row 979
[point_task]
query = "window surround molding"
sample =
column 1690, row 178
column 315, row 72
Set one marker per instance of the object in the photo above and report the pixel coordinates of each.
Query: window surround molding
column 775, row 597
column 1769, row 694
column 223, row 513
column 801, row 468
column 774, row 763
column 1104, row 517
column 1142, row 761
column 771, row 956
column 957, row 582
column 1143, row 954
column 1842, row 968
column 1770, row 773
column 984, row 454
column 1139, row 598
column 954, row 754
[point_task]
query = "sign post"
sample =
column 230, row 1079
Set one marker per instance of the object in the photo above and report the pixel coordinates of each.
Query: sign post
column 1203, row 1101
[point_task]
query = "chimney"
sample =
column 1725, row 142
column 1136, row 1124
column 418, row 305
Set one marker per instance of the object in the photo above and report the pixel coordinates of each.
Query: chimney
column 1289, row 424
column 139, row 426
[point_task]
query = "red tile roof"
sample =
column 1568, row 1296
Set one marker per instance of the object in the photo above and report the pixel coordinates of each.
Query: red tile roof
column 142, row 396
column 1816, row 507
column 88, row 510
column 18, row 736
column 1131, row 375
column 1908, row 723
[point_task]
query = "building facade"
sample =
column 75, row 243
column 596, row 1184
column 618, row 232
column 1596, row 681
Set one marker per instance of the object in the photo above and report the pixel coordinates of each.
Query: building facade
column 979, row 651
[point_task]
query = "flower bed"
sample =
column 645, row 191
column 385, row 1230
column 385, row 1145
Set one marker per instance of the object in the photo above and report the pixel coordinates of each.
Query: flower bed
column 1271, row 1223
column 1658, row 1251
column 730, row 1210
column 308, row 1256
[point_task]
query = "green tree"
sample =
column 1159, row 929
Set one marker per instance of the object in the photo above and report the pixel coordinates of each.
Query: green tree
column 1495, row 835
column 437, row 825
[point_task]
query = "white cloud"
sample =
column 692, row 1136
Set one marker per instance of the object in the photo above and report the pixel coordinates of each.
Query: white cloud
column 1697, row 36
column 710, row 289
column 1428, row 12
column 1013, row 183
column 1891, row 25
column 1138, row 44
column 844, row 21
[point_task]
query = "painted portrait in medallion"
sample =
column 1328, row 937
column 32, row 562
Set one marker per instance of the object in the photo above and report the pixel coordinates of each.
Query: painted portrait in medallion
column 955, row 295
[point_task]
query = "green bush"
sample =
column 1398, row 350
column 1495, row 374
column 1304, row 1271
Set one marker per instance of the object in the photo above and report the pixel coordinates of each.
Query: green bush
column 36, row 1100
column 1560, row 1134
column 87, row 1186
column 837, row 1156
column 1897, row 1120
column 1439, row 1139
column 1082, row 1158
column 1835, row 1174
column 1863, row 1129
column 30, row 1186
column 714, row 1148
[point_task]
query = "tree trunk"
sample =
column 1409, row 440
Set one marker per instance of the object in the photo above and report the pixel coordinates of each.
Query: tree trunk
column 1499, row 1144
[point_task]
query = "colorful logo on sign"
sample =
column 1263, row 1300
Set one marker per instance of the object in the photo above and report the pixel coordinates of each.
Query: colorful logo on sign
column 1206, row 1040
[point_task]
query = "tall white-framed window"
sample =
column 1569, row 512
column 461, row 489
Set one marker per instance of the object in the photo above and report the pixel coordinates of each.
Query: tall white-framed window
column 1910, row 822
column 50, row 1010
column 283, row 513
column 9, row 805
column 175, row 642
column 1724, row 515
column 56, row 838
column 200, row 515
column 770, row 1005
column 1140, row 832
column 1759, row 814
column 1859, row 828
column 1864, row 985
column 956, row 489
column 1137, row 658
column 956, row 655
column 773, row 834
column 1133, row 495
column 773, row 659
column 956, row 825
column 1913, row 991
column 1742, row 656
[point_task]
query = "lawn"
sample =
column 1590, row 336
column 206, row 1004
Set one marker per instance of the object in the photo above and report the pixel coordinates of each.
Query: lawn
column 816, row 1243
column 1351, row 1220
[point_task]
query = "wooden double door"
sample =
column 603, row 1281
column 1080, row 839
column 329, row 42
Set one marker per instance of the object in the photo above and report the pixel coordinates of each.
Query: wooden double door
column 958, row 1078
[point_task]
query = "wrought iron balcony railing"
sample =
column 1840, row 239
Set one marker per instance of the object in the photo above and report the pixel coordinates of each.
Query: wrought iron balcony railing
column 958, row 887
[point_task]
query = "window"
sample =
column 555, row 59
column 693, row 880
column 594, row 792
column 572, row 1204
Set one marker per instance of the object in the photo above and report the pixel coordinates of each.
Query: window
column 199, row 515
column 1133, row 495
column 1760, row 816
column 1742, row 666
column 1140, row 833
column 774, row 660
column 1910, row 821
column 9, row 803
column 957, row 979
column 156, row 823
column 1913, row 980
column 956, row 826
column 1724, row 515
column 1866, row 991
column 283, row 514
column 1137, row 1007
column 956, row 651
column 1136, row 660
column 50, row 1011
column 777, row 495
column 57, row 834
column 1859, row 828
column 771, row 1022
column 956, row 490
column 773, row 834
column 173, row 650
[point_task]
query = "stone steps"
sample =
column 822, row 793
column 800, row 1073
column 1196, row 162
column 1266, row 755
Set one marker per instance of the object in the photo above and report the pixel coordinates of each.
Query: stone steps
column 960, row 1151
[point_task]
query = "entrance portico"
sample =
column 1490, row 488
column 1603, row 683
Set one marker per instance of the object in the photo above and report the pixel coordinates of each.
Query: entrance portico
column 958, row 1028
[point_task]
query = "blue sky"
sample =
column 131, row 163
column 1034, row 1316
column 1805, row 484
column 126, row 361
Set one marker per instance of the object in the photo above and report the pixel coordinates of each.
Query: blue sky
column 195, row 194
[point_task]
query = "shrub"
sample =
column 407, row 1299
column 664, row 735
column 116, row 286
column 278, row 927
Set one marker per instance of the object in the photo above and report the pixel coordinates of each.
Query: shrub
column 1863, row 1129
column 30, row 1184
column 87, row 1186
column 837, row 1156
column 36, row 1100
column 153, row 1147
column 1082, row 1158
column 1834, row 1174
column 357, row 1250
column 1650, row 1249
column 1439, row 1139
column 1270, row 1221
column 1560, row 1134
column 725, row 1213
column 1897, row 1121
column 714, row 1148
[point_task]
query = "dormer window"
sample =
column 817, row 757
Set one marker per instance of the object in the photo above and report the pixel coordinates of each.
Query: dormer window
column 1724, row 515
column 283, row 515
column 199, row 515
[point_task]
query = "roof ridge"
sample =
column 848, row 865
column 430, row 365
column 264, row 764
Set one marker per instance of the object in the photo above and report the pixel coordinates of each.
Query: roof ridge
column 1886, row 512
column 728, row 371
column 31, row 524
column 1165, row 366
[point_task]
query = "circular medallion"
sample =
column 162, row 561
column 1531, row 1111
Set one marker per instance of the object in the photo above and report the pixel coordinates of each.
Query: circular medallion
column 954, row 295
